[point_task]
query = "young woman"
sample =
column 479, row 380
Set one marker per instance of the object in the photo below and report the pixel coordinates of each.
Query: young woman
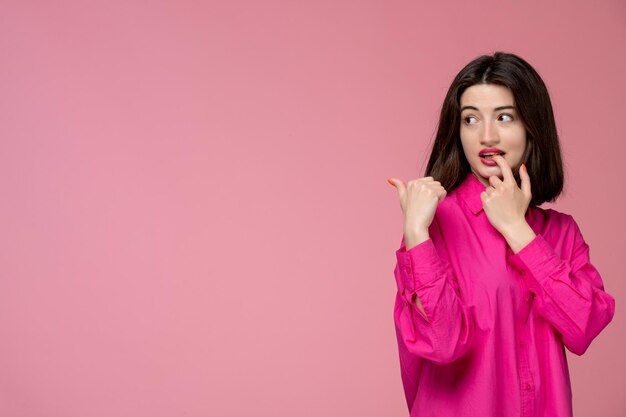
column 491, row 287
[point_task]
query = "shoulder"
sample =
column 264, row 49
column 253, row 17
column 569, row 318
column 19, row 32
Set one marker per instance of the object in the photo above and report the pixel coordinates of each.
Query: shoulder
column 557, row 227
column 551, row 217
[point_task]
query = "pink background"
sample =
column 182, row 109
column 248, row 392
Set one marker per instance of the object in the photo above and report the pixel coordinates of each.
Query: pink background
column 195, row 214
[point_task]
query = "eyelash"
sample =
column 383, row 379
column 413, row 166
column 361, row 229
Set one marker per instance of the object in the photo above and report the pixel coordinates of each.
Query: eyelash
column 465, row 119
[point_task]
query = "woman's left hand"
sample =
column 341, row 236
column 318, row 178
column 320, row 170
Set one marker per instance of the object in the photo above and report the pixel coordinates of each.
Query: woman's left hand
column 505, row 204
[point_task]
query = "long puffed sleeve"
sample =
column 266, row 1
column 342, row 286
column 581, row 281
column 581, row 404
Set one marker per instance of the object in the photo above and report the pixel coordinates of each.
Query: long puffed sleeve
column 569, row 293
column 446, row 331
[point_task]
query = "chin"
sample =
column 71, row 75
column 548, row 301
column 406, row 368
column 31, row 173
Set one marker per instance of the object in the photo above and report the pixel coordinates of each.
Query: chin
column 484, row 173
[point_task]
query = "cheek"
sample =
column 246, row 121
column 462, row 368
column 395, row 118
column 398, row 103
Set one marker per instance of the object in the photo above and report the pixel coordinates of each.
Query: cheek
column 520, row 138
column 516, row 140
column 466, row 141
column 519, row 143
column 521, row 148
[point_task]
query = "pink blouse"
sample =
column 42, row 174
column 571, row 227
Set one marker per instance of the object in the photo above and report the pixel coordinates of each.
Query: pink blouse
column 492, row 340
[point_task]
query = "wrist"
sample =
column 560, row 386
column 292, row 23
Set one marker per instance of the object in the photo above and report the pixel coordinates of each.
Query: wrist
column 516, row 228
column 518, row 235
column 413, row 238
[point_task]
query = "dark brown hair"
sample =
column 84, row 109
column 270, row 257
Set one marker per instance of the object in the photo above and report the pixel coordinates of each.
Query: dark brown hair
column 542, row 156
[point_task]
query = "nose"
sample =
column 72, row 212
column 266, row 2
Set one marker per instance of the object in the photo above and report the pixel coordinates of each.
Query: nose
column 489, row 134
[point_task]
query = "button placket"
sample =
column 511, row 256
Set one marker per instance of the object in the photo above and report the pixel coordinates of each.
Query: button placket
column 527, row 386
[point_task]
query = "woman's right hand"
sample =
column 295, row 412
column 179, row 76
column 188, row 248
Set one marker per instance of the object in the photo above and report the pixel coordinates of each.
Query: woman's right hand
column 418, row 199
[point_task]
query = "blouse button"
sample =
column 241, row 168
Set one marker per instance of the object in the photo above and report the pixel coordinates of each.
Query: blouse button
column 527, row 387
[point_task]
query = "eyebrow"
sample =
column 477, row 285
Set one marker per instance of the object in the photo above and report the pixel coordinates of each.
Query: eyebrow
column 495, row 109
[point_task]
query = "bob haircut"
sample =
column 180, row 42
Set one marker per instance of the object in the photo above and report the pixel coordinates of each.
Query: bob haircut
column 542, row 156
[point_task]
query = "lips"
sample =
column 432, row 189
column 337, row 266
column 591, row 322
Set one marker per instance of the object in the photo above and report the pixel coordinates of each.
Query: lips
column 488, row 153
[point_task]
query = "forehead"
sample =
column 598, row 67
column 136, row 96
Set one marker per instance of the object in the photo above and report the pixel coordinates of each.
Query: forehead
column 487, row 96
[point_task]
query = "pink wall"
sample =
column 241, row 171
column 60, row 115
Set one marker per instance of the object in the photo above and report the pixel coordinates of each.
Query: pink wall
column 195, row 214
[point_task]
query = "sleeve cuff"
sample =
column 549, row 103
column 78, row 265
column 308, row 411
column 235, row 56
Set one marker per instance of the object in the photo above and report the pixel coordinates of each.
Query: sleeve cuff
column 537, row 261
column 419, row 265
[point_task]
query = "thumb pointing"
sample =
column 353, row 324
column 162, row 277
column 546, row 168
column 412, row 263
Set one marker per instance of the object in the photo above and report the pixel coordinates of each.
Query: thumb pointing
column 396, row 183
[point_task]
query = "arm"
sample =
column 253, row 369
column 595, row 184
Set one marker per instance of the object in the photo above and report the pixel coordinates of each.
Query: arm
column 442, row 329
column 569, row 294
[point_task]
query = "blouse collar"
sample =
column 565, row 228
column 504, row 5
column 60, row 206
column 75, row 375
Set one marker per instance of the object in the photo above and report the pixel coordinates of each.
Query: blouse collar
column 469, row 191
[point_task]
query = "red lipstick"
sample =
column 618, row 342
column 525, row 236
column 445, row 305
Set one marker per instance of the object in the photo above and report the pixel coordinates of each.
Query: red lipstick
column 491, row 151
column 486, row 156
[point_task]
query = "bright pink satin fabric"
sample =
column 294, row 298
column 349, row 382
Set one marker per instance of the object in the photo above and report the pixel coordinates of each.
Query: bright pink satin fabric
column 492, row 342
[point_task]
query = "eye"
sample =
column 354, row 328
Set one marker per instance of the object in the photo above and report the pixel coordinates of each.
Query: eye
column 469, row 120
column 506, row 117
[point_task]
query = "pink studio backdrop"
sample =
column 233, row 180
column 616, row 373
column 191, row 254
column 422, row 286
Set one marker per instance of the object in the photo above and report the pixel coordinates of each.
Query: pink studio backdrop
column 195, row 214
